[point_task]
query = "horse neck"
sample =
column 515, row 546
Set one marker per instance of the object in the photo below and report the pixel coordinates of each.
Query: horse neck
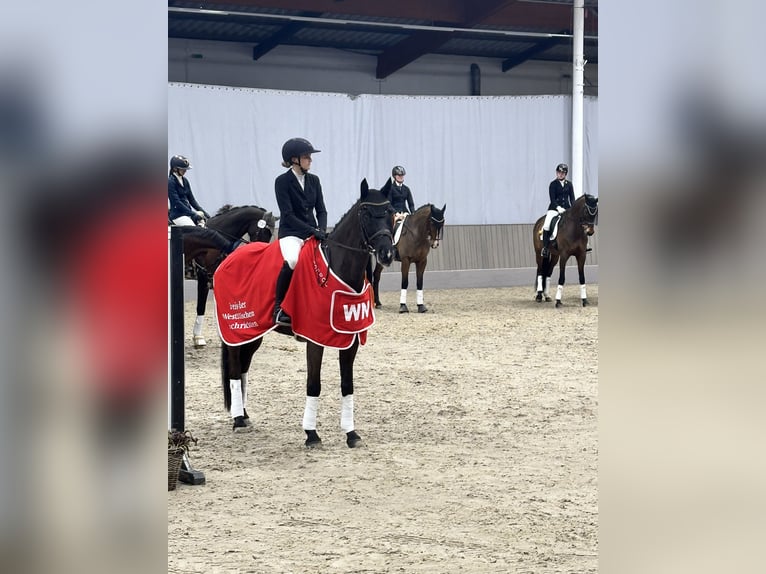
column 421, row 222
column 348, row 264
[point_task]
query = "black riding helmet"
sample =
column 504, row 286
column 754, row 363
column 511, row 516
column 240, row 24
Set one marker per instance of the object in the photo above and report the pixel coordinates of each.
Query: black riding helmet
column 562, row 167
column 179, row 162
column 296, row 147
column 398, row 170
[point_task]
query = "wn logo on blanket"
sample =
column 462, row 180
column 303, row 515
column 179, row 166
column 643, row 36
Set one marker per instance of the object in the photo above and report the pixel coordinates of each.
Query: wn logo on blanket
column 351, row 312
column 354, row 311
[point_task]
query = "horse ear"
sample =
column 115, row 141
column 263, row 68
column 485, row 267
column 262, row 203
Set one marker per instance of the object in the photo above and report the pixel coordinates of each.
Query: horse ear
column 444, row 208
column 267, row 216
column 365, row 188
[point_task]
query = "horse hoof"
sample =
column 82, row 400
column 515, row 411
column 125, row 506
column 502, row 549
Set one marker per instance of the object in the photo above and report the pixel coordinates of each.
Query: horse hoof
column 422, row 309
column 558, row 303
column 539, row 297
column 240, row 425
column 199, row 341
column 353, row 440
column 312, row 439
column 378, row 305
column 547, row 299
column 403, row 308
column 584, row 302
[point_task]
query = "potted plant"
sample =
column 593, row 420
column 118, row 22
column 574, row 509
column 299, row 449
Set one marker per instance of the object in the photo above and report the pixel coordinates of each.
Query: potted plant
column 178, row 445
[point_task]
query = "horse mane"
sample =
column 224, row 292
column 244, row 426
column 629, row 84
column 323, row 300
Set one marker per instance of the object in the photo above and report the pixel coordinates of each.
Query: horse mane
column 229, row 207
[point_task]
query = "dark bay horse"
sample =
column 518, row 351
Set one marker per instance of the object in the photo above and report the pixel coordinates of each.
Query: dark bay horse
column 574, row 228
column 234, row 223
column 365, row 229
column 421, row 232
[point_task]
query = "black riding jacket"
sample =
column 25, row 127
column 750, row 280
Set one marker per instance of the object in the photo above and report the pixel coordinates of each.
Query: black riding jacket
column 182, row 201
column 297, row 206
column 561, row 195
column 400, row 196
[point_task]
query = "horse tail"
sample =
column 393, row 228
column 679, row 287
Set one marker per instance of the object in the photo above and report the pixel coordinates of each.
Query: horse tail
column 225, row 375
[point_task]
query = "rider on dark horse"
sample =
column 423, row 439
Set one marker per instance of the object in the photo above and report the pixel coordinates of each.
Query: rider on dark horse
column 299, row 196
column 562, row 197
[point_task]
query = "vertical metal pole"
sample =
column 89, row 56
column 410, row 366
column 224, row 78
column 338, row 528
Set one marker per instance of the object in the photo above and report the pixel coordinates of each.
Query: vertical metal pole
column 576, row 172
column 176, row 288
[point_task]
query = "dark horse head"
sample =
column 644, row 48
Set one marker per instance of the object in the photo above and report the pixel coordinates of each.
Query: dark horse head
column 252, row 220
column 366, row 228
column 436, row 225
column 587, row 212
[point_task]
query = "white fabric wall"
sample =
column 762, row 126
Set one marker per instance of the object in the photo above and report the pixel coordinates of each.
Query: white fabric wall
column 489, row 158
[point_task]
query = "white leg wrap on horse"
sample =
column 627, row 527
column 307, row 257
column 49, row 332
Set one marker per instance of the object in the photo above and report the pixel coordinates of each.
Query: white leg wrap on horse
column 403, row 297
column 310, row 413
column 539, row 282
column 559, row 290
column 237, row 410
column 347, row 413
column 198, row 325
column 582, row 292
column 419, row 296
column 244, row 390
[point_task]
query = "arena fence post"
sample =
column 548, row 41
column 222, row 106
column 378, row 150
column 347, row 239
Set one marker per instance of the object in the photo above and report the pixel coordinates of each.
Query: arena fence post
column 176, row 382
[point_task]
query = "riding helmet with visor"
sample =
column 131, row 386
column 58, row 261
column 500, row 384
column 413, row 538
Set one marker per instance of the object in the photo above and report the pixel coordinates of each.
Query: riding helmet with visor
column 562, row 167
column 296, row 147
column 398, row 170
column 179, row 162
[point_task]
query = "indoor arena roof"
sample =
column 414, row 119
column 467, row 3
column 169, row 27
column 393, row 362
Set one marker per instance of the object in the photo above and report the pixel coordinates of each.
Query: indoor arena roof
column 397, row 32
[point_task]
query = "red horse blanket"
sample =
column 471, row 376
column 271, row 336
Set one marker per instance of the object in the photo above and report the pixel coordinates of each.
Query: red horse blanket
column 324, row 309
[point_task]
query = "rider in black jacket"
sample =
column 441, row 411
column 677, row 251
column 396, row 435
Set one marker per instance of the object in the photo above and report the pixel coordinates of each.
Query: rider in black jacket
column 561, row 193
column 299, row 196
column 183, row 206
column 397, row 193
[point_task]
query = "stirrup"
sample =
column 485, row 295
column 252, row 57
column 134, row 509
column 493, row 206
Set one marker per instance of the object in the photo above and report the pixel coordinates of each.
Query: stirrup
column 545, row 252
column 282, row 318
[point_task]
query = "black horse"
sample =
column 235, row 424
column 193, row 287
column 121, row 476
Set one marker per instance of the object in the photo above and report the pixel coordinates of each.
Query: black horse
column 421, row 232
column 233, row 223
column 574, row 228
column 365, row 229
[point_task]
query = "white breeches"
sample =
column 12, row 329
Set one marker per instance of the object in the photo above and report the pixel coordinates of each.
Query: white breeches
column 184, row 220
column 291, row 248
column 550, row 214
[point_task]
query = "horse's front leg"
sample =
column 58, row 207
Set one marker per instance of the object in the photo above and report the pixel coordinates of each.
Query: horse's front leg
column 346, row 358
column 581, row 272
column 420, row 269
column 562, row 274
column 376, row 283
column 313, row 389
column 198, row 340
column 405, row 283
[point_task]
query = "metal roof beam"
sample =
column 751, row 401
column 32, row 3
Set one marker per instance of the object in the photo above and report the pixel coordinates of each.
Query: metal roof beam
column 275, row 40
column 529, row 53
column 423, row 42
column 409, row 50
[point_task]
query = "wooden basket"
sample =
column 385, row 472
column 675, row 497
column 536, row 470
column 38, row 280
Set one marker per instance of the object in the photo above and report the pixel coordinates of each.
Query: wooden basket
column 175, row 458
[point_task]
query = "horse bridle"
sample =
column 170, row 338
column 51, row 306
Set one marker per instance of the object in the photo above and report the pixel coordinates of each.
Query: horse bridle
column 367, row 239
column 366, row 247
column 592, row 212
column 439, row 229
